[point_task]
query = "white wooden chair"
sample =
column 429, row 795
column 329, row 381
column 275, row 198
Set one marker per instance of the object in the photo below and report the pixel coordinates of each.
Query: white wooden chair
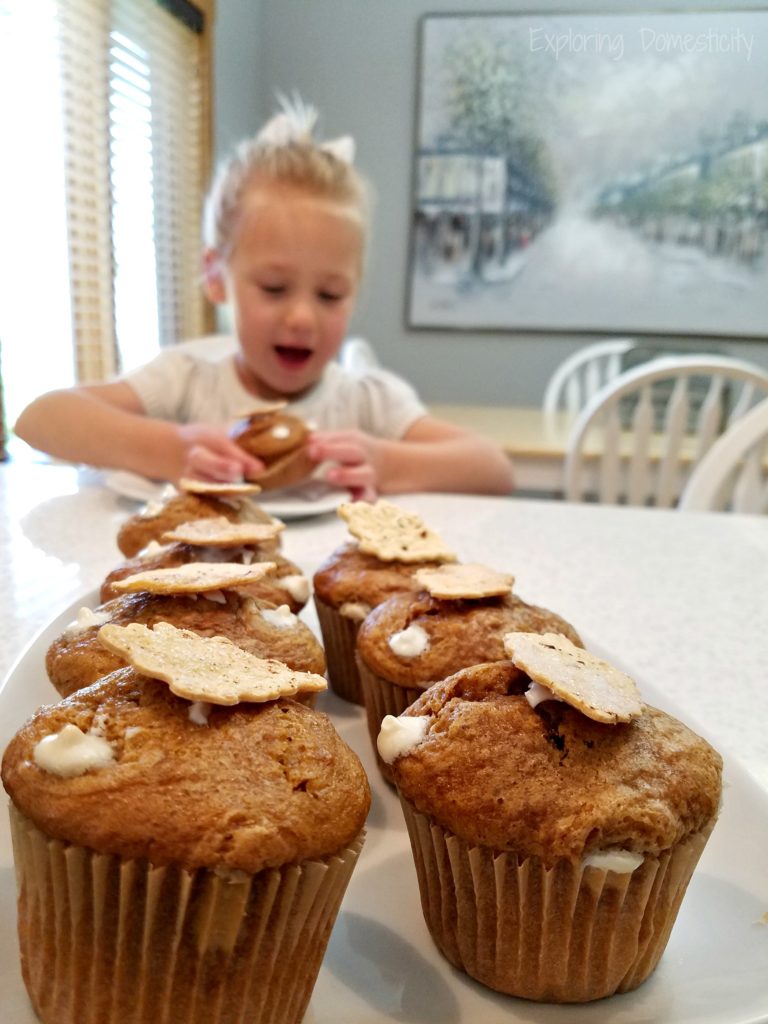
column 357, row 355
column 582, row 374
column 639, row 437
column 733, row 475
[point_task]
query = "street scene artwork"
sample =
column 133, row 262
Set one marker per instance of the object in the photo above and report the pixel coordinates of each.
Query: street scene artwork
column 603, row 173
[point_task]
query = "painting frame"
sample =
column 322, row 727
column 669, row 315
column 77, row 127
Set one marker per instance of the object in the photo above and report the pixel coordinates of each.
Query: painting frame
column 674, row 244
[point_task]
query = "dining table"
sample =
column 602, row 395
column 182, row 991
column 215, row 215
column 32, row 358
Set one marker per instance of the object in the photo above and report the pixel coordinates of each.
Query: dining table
column 677, row 600
column 536, row 441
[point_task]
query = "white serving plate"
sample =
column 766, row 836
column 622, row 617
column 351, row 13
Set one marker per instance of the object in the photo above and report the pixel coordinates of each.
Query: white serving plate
column 381, row 965
column 306, row 501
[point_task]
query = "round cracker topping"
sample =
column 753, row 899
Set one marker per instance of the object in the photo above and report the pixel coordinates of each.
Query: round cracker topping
column 392, row 534
column 466, row 581
column 195, row 578
column 584, row 681
column 220, row 532
column 210, row 669
column 222, row 489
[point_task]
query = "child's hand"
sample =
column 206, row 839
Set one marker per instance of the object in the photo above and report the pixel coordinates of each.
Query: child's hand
column 210, row 454
column 356, row 456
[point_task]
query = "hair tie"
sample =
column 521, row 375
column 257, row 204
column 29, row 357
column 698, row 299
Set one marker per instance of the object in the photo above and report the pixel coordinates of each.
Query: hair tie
column 296, row 122
column 342, row 148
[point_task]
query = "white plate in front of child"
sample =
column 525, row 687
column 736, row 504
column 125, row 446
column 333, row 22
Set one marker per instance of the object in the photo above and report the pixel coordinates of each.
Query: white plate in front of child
column 314, row 498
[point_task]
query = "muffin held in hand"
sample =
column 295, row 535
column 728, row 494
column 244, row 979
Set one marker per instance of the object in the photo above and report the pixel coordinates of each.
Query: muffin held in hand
column 181, row 847
column 195, row 499
column 279, row 440
column 390, row 546
column 555, row 820
column 457, row 619
column 220, row 540
column 208, row 598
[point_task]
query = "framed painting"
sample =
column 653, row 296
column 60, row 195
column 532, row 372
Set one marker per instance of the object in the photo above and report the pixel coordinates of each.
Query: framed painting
column 600, row 173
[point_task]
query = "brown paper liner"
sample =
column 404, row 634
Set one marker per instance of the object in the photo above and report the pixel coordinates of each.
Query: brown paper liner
column 111, row 941
column 557, row 934
column 382, row 698
column 340, row 642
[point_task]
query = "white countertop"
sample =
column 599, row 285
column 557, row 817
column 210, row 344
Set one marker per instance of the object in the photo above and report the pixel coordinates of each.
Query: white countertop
column 676, row 599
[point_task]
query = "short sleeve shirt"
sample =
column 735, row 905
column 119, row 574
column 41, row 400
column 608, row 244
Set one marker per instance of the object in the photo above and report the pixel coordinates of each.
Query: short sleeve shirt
column 187, row 388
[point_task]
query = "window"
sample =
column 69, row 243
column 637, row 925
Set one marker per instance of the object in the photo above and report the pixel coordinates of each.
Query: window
column 107, row 155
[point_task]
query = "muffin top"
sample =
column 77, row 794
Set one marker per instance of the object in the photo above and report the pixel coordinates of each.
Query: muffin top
column 244, row 788
column 548, row 781
column 157, row 517
column 349, row 576
column 287, row 585
column 77, row 659
column 415, row 639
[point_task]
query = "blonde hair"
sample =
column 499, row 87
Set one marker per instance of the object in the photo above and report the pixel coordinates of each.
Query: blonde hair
column 283, row 153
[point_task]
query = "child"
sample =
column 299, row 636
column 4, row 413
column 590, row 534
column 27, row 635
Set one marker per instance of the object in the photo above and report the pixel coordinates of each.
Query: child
column 286, row 225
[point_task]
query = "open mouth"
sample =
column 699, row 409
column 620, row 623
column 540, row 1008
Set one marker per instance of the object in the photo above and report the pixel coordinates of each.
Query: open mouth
column 291, row 356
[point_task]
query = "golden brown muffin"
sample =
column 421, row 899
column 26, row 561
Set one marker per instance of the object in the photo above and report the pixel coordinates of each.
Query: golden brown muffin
column 279, row 440
column 287, row 585
column 157, row 517
column 168, row 798
column 352, row 580
column 454, row 633
column 526, row 795
column 225, row 842
column 348, row 584
column 390, row 545
column 77, row 659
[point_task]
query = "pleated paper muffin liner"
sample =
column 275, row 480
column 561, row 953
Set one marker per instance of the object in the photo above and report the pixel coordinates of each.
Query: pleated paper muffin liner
column 111, row 941
column 340, row 643
column 561, row 933
column 382, row 698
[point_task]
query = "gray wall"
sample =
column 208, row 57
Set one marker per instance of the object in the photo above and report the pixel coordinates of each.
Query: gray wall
column 356, row 60
column 237, row 60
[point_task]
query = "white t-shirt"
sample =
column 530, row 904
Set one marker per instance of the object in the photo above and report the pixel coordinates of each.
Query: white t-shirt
column 188, row 388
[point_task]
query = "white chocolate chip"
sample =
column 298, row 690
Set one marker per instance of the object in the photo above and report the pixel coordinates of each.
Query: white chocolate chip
column 72, row 752
column 85, row 619
column 399, row 736
column 409, row 642
column 199, row 711
column 621, row 861
column 354, row 610
column 282, row 617
column 537, row 693
column 296, row 585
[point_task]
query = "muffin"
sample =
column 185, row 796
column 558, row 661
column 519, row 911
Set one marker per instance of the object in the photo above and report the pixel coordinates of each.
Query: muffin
column 279, row 440
column 555, row 820
column 195, row 499
column 176, row 860
column 220, row 540
column 206, row 598
column 458, row 618
column 390, row 546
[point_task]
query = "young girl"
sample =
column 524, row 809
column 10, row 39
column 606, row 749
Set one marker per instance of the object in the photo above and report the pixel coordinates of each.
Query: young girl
column 285, row 234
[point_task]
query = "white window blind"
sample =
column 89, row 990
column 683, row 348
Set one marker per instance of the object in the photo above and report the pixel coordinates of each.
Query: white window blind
column 102, row 204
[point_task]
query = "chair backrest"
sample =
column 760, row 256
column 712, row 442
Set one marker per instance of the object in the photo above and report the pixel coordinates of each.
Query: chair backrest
column 357, row 355
column 639, row 437
column 581, row 375
column 733, row 475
